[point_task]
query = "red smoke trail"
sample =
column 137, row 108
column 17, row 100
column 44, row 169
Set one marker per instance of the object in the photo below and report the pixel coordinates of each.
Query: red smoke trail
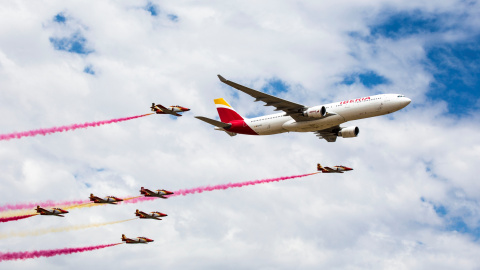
column 21, row 206
column 234, row 185
column 31, row 133
column 7, row 219
column 220, row 187
column 22, row 255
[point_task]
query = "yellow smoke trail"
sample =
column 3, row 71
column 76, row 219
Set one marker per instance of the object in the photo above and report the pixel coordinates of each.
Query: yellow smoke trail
column 13, row 213
column 60, row 229
column 78, row 206
column 131, row 198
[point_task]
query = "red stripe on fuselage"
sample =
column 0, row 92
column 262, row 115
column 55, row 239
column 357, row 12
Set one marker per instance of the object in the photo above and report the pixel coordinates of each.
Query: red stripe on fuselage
column 227, row 115
column 240, row 127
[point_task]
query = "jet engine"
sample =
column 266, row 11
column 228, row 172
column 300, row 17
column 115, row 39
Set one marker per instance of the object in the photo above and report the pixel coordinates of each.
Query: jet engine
column 349, row 132
column 316, row 112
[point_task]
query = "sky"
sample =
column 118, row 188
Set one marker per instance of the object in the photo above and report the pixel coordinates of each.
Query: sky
column 411, row 202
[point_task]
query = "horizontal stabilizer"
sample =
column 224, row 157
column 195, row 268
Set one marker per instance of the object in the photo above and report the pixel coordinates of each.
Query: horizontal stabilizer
column 214, row 122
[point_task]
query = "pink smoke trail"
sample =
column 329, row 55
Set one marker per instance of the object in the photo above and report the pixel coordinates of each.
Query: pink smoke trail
column 7, row 219
column 22, row 255
column 220, row 187
column 21, row 206
column 46, row 131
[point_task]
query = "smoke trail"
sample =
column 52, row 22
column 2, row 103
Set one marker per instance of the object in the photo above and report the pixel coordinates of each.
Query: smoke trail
column 74, row 204
column 234, row 185
column 21, row 206
column 7, row 219
column 221, row 187
column 60, row 229
column 46, row 131
column 22, row 255
column 141, row 199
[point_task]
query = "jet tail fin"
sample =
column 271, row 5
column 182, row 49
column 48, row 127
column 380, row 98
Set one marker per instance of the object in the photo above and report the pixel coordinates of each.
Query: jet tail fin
column 225, row 111
column 214, row 122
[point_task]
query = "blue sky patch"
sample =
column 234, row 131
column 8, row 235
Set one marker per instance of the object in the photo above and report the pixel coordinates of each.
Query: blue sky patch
column 456, row 70
column 153, row 9
column 275, row 86
column 89, row 69
column 60, row 18
column 172, row 17
column 399, row 25
column 454, row 66
column 454, row 220
column 457, row 224
column 370, row 79
column 73, row 44
column 440, row 210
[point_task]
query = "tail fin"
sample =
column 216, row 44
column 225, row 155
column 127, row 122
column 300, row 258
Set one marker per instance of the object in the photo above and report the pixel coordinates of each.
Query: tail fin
column 319, row 167
column 123, row 237
column 225, row 111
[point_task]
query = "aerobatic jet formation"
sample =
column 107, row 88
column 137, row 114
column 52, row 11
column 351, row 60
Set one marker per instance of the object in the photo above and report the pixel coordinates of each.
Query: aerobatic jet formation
column 173, row 110
column 323, row 120
column 152, row 215
column 136, row 240
column 50, row 212
column 108, row 199
column 335, row 169
column 160, row 193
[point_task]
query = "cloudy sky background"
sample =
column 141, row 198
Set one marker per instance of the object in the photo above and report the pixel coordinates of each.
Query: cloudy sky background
column 412, row 201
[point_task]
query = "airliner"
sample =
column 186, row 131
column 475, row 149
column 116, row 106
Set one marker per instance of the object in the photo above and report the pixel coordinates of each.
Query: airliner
column 323, row 120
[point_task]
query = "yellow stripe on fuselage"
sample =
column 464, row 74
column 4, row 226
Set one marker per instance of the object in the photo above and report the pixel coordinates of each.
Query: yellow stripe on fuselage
column 221, row 101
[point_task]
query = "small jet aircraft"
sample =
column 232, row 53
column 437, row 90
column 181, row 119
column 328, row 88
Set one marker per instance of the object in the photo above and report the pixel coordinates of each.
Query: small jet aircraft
column 335, row 169
column 152, row 215
column 161, row 193
column 173, row 110
column 136, row 240
column 50, row 212
column 108, row 199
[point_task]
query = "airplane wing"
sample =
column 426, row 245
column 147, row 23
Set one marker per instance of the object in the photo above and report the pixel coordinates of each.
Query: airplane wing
column 290, row 108
column 214, row 122
column 43, row 211
column 329, row 169
column 329, row 134
column 149, row 192
column 166, row 110
column 95, row 199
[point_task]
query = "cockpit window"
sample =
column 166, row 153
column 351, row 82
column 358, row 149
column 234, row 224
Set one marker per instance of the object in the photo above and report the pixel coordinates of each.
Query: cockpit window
column 400, row 96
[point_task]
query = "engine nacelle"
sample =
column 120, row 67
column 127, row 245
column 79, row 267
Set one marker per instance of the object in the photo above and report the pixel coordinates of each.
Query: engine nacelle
column 316, row 112
column 349, row 132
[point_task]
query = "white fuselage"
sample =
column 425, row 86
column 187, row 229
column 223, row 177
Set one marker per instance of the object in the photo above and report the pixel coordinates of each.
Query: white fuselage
column 342, row 112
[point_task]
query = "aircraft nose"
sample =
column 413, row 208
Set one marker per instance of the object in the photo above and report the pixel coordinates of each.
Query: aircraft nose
column 407, row 101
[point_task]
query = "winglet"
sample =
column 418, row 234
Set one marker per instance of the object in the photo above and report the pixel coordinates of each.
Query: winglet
column 221, row 78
